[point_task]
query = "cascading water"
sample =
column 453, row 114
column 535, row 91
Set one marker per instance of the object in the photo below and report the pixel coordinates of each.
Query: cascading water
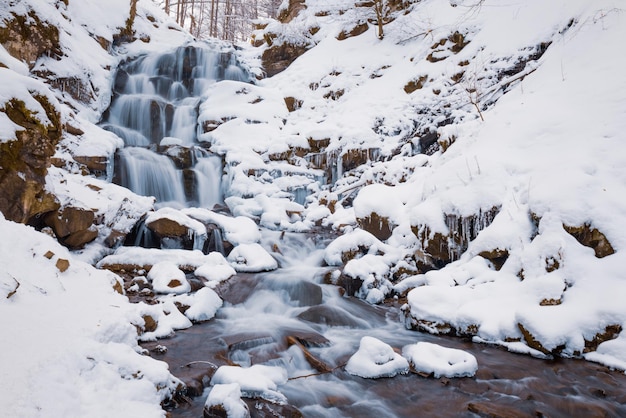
column 290, row 319
column 155, row 111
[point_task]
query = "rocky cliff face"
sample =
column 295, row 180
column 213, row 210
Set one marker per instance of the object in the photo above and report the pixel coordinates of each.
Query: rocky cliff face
column 56, row 62
column 24, row 161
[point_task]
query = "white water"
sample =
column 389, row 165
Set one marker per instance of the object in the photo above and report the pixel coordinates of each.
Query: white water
column 158, row 96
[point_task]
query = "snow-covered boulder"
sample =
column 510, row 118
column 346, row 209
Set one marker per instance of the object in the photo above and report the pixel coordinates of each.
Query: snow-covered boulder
column 258, row 381
column 251, row 258
column 166, row 277
column 440, row 361
column 225, row 400
column 375, row 359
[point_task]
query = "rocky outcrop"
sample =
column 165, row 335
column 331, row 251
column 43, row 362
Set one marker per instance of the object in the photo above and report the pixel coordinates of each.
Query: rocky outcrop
column 168, row 229
column 24, row 162
column 73, row 227
column 591, row 237
column 28, row 38
column 292, row 10
column 379, row 226
column 278, row 57
column 440, row 249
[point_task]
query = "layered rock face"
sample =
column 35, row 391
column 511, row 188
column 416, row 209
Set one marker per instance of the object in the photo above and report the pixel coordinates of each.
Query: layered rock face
column 24, row 161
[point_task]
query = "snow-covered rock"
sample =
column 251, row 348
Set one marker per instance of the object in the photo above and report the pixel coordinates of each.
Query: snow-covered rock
column 375, row 359
column 440, row 361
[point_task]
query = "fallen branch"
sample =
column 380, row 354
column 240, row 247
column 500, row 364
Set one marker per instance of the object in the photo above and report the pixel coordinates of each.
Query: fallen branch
column 11, row 293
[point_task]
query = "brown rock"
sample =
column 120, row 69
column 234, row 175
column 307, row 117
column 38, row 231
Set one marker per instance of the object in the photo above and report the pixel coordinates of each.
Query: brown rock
column 497, row 257
column 166, row 227
column 377, row 225
column 278, row 57
column 355, row 31
column 150, row 324
column 28, row 38
column 62, row 264
column 288, row 14
column 96, row 165
column 24, row 162
column 591, row 237
column 77, row 240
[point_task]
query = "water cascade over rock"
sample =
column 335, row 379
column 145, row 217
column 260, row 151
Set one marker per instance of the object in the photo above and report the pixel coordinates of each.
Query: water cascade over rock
column 155, row 111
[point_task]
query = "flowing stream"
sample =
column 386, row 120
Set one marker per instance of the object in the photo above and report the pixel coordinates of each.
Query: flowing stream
column 289, row 317
column 264, row 313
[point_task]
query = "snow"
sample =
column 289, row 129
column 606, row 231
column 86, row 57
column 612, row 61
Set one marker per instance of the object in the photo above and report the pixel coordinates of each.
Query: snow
column 375, row 359
column 228, row 396
column 216, row 269
column 549, row 153
column 203, row 304
column 257, row 381
column 80, row 352
column 440, row 361
column 251, row 258
column 166, row 277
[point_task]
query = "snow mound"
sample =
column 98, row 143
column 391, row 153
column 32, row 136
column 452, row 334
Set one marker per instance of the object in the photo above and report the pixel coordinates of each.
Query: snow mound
column 166, row 277
column 227, row 396
column 251, row 258
column 81, row 339
column 215, row 270
column 375, row 359
column 258, row 381
column 440, row 361
column 203, row 304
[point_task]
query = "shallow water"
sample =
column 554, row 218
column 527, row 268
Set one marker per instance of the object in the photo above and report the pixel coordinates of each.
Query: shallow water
column 262, row 311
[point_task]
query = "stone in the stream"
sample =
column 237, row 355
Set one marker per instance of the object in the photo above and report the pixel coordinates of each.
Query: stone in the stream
column 224, row 401
column 303, row 292
column 375, row 359
column 331, row 316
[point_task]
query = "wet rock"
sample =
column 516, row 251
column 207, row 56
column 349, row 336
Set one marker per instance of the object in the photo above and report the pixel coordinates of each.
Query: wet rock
column 168, row 231
column 303, row 292
column 439, row 249
column 237, row 289
column 247, row 340
column 315, row 363
column 115, row 239
column 591, row 237
column 330, row 316
column 266, row 409
column 489, row 410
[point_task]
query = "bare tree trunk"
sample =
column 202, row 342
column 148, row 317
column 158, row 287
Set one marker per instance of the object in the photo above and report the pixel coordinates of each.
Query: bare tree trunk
column 378, row 8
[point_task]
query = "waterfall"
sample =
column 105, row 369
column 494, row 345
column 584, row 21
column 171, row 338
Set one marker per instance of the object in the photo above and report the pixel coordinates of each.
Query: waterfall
column 157, row 96
column 208, row 172
column 150, row 174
